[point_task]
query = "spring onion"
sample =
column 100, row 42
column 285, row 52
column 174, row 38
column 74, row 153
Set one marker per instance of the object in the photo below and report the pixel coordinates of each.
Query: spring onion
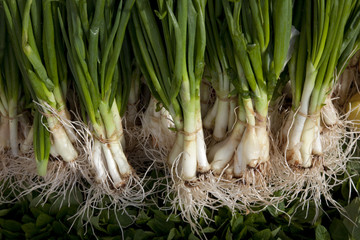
column 170, row 53
column 94, row 40
column 10, row 90
column 312, row 75
column 42, row 66
column 221, row 116
column 260, row 33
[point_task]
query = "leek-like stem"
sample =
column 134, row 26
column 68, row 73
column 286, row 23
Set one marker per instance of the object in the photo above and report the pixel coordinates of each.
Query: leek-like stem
column 202, row 162
column 13, row 125
column 221, row 154
column 114, row 142
column 61, row 141
column 97, row 161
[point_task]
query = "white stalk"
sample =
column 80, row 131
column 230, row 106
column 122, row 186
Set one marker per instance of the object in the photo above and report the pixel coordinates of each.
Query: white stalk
column 202, row 162
column 177, row 148
column 97, row 162
column 209, row 119
column 120, row 159
column 113, row 139
column 239, row 158
column 317, row 148
column 232, row 116
column 189, row 157
column 61, row 141
column 64, row 114
column 110, row 161
column 285, row 130
column 307, row 140
column 222, row 153
column 252, row 150
column 293, row 151
column 13, row 127
column 111, row 166
column 221, row 120
column 263, row 143
column 205, row 97
column 53, row 151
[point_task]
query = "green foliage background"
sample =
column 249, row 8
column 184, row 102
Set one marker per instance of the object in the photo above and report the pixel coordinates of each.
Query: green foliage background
column 27, row 219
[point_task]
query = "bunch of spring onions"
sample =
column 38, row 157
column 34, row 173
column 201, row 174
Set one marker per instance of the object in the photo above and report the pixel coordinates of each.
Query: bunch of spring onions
column 40, row 56
column 312, row 68
column 221, row 116
column 10, row 90
column 94, row 36
column 170, row 50
column 260, row 34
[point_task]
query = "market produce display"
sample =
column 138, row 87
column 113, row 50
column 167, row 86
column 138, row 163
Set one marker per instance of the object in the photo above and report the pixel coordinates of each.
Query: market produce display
column 192, row 106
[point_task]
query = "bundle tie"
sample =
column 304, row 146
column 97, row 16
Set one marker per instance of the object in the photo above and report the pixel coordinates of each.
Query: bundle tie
column 113, row 138
column 12, row 118
column 189, row 134
column 311, row 116
column 226, row 99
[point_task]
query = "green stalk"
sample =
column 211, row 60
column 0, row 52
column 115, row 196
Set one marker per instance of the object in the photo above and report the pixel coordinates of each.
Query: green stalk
column 42, row 144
